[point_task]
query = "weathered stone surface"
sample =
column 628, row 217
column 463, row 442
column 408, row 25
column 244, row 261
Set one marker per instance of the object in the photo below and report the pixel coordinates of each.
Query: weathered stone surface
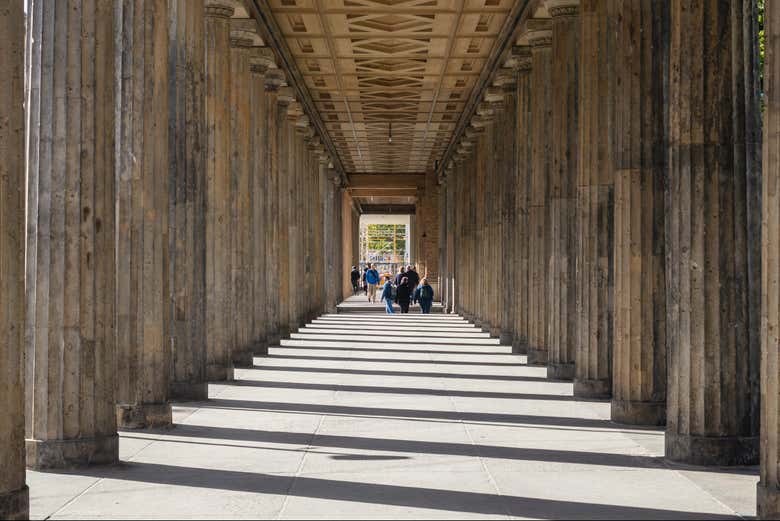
column 219, row 362
column 143, row 368
column 640, row 159
column 595, row 195
column 14, row 500
column 187, row 221
column 561, row 282
column 541, row 154
column 71, row 259
column 713, row 235
column 769, row 486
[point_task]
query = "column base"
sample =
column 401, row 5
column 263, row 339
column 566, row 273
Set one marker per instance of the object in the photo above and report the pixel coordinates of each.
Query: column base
column 505, row 339
column 243, row 360
column 537, row 356
column 520, row 346
column 275, row 339
column 260, row 348
column 560, row 371
column 219, row 373
column 631, row 412
column 767, row 502
column 712, row 451
column 15, row 506
column 593, row 389
column 189, row 391
column 495, row 332
column 65, row 454
column 144, row 416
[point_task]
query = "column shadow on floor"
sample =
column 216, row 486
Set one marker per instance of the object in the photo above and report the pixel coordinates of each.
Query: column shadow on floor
column 377, row 372
column 407, row 391
column 392, row 360
column 379, row 494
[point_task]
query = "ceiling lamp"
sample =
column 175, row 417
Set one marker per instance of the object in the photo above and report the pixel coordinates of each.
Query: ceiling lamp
column 390, row 133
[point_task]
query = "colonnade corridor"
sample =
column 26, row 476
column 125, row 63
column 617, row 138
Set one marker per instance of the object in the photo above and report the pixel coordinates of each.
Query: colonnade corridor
column 361, row 415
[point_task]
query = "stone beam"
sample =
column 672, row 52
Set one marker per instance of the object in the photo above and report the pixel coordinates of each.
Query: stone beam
column 387, row 181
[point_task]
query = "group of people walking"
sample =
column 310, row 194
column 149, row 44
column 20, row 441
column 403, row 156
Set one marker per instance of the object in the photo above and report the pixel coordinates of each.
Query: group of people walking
column 405, row 289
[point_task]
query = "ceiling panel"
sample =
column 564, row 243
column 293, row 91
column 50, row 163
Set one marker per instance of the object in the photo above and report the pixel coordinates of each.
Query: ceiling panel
column 390, row 77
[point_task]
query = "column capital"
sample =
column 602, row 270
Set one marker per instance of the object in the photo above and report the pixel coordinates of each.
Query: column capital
column 261, row 59
column 479, row 122
column 273, row 79
column 294, row 110
column 520, row 58
column 219, row 8
column 560, row 8
column 504, row 77
column 539, row 33
column 241, row 39
column 286, row 95
column 494, row 96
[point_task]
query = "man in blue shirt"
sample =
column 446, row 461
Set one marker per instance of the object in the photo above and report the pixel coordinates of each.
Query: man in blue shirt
column 372, row 279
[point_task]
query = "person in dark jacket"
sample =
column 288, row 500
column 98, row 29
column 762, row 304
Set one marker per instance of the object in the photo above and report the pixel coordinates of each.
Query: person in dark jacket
column 414, row 280
column 355, row 276
column 387, row 296
column 403, row 295
column 424, row 295
column 401, row 274
column 363, row 280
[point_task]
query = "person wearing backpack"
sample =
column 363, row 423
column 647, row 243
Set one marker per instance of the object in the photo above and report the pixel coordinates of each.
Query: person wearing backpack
column 372, row 279
column 387, row 296
column 424, row 295
column 355, row 277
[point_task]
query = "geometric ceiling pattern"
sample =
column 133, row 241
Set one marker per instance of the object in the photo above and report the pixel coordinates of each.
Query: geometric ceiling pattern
column 390, row 78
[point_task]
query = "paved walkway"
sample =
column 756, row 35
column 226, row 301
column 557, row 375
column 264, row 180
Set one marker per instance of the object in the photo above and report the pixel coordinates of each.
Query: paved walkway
column 366, row 416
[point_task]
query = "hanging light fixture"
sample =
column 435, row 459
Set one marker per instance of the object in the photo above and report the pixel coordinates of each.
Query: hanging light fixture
column 390, row 133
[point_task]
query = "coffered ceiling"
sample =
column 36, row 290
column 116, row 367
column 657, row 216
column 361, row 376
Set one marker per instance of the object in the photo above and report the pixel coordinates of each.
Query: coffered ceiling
column 378, row 69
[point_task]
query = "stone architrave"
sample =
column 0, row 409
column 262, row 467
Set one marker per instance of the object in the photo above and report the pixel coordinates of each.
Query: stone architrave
column 143, row 367
column 641, row 146
column 14, row 495
column 713, row 212
column 540, row 39
column 187, row 222
column 595, row 202
column 70, row 331
column 768, row 492
column 241, row 294
column 219, row 362
column 561, row 287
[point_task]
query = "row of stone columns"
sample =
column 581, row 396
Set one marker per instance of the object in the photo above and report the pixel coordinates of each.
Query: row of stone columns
column 635, row 214
column 175, row 199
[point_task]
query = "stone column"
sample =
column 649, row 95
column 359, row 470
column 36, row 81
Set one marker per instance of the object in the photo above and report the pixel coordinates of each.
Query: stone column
column 284, row 132
column 641, row 120
column 509, row 276
column 14, row 496
column 768, row 492
column 261, row 60
column 240, row 202
column 273, row 80
column 143, row 305
column 561, row 291
column 713, row 235
column 187, row 221
column 521, row 61
column 219, row 366
column 540, row 39
column 70, row 258
column 595, row 201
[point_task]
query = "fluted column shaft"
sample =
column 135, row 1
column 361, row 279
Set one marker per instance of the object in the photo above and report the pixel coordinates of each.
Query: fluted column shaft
column 14, row 496
column 70, row 257
column 541, row 157
column 769, row 487
column 259, row 181
column 240, row 203
column 143, row 311
column 284, row 132
column 713, row 212
column 187, row 225
column 218, row 259
column 641, row 118
column 272, row 248
column 509, row 278
column 524, row 166
column 595, row 202
column 561, row 294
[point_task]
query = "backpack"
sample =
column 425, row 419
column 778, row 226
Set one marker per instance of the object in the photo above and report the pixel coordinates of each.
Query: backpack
column 426, row 293
column 393, row 292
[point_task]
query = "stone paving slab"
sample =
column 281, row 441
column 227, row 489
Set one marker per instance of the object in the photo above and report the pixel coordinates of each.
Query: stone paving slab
column 348, row 429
